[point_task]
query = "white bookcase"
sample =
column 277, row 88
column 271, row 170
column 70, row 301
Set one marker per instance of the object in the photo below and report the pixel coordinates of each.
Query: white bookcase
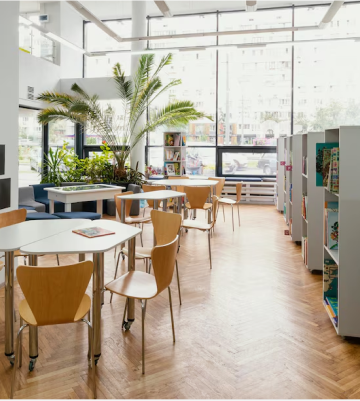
column 280, row 195
column 174, row 154
column 286, row 158
column 347, row 256
column 312, row 226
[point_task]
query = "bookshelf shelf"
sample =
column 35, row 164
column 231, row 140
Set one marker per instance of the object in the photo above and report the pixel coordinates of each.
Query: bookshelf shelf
column 306, row 223
column 347, row 292
column 331, row 193
column 304, row 175
column 174, row 147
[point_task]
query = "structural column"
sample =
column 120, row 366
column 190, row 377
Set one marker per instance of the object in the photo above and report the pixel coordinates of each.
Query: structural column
column 138, row 29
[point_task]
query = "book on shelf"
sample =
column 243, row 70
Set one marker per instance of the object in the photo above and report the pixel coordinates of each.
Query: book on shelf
column 334, row 306
column 330, row 278
column 169, row 154
column 323, row 162
column 304, row 249
column 305, row 165
column 330, row 311
column 183, row 140
column 172, row 168
column 177, row 140
column 169, row 139
column 176, row 156
column 290, row 192
column 93, row 232
column 333, row 182
column 304, row 205
column 331, row 225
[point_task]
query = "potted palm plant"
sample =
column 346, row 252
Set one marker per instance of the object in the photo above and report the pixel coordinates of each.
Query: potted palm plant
column 136, row 93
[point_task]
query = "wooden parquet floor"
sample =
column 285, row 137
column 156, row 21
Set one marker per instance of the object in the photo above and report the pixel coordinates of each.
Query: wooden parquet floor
column 253, row 327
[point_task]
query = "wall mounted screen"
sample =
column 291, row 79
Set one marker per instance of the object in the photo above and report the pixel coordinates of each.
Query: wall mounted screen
column 5, row 188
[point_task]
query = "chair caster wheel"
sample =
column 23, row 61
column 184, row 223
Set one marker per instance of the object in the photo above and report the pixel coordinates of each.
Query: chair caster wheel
column 186, row 230
column 96, row 362
column 11, row 359
column 11, row 362
column 126, row 326
column 32, row 365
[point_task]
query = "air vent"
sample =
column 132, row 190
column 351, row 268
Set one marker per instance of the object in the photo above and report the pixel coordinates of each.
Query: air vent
column 30, row 92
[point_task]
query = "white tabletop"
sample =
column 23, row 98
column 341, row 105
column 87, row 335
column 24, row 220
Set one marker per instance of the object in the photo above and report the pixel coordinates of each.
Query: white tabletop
column 85, row 189
column 187, row 183
column 153, row 195
column 68, row 242
column 14, row 237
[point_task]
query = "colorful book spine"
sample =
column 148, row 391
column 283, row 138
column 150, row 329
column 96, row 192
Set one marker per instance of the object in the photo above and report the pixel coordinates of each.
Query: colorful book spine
column 334, row 179
column 330, row 278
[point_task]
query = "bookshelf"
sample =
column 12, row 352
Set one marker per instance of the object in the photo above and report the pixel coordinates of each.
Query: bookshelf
column 174, row 153
column 280, row 195
column 347, row 256
column 312, row 223
column 286, row 158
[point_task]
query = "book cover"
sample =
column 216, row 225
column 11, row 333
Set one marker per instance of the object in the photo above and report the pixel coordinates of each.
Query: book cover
column 177, row 139
column 177, row 168
column 333, row 229
column 330, row 278
column 334, row 179
column 333, row 303
column 170, row 168
column 93, row 232
column 183, row 140
column 326, row 166
column 321, row 171
column 169, row 140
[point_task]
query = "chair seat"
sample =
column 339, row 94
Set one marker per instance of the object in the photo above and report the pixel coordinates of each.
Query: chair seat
column 136, row 220
column 78, row 215
column 134, row 284
column 140, row 252
column 27, row 315
column 206, row 206
column 198, row 225
column 41, row 216
column 227, row 201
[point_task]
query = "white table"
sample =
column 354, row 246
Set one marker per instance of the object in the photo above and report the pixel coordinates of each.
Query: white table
column 82, row 193
column 68, row 242
column 12, row 238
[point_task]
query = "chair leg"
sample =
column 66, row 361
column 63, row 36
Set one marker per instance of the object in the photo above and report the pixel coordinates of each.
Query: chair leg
column 141, row 240
column 16, row 361
column 92, row 354
column 238, row 213
column 114, row 252
column 209, row 248
column 124, row 315
column 223, row 212
column 57, row 259
column 232, row 214
column 20, row 340
column 143, row 306
column 178, row 280
column 147, row 265
column 116, row 270
column 171, row 313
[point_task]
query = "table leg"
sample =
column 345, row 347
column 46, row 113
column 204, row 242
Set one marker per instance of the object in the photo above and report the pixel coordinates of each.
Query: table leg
column 99, row 207
column 122, row 217
column 67, row 207
column 130, row 302
column 51, row 206
column 98, row 259
column 156, row 206
column 81, row 257
column 9, row 305
column 165, row 205
column 33, row 331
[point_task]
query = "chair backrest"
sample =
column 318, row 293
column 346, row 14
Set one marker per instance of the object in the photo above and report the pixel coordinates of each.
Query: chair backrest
column 179, row 188
column 13, row 217
column 26, row 194
column 219, row 185
column 197, row 196
column 166, row 226
column 54, row 294
column 163, row 260
column 151, row 188
column 215, row 202
column 238, row 192
column 39, row 190
column 128, row 203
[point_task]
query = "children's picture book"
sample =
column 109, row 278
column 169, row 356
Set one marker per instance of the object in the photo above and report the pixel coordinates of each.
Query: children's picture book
column 169, row 140
column 330, row 278
column 323, row 159
column 177, row 168
column 169, row 154
column 333, row 184
column 176, row 156
column 183, row 140
column 333, row 229
column 170, row 168
column 177, row 140
column 93, row 232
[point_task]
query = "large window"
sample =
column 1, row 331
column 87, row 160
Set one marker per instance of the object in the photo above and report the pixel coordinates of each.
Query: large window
column 30, row 147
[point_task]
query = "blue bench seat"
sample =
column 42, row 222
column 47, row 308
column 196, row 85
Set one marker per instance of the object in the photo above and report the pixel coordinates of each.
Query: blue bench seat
column 78, row 215
column 41, row 216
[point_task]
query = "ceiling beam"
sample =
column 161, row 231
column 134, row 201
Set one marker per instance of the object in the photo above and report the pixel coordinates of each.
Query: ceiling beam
column 164, row 8
column 330, row 13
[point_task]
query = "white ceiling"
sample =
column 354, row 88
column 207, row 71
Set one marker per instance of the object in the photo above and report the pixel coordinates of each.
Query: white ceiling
column 122, row 9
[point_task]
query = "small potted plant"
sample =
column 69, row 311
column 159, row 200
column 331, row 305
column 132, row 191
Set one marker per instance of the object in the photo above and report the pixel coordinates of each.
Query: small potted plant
column 149, row 170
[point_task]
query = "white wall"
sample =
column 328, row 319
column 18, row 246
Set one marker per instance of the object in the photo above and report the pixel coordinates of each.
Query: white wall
column 9, row 84
column 38, row 73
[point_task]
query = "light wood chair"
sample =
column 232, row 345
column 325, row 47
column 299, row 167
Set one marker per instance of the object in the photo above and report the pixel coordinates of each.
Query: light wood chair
column 232, row 202
column 219, row 186
column 54, row 295
column 189, row 224
column 196, row 199
column 143, row 286
column 166, row 228
column 151, row 188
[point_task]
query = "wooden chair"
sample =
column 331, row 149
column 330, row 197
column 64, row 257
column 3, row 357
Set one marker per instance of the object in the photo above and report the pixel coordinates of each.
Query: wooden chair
column 152, row 188
column 166, row 228
column 54, row 295
column 143, row 286
column 197, row 197
column 232, row 202
column 202, row 226
column 219, row 186
column 15, row 217
column 128, row 218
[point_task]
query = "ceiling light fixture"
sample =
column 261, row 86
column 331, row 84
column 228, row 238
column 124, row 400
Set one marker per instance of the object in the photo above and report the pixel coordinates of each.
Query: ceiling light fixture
column 164, row 8
column 91, row 17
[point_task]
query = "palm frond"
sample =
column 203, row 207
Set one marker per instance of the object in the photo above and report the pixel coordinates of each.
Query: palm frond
column 54, row 114
column 62, row 99
column 76, row 88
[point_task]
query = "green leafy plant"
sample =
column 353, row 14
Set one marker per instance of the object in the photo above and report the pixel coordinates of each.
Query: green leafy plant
column 53, row 167
column 136, row 93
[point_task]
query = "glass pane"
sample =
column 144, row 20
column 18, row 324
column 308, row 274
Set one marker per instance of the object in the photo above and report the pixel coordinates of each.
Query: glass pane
column 156, row 159
column 197, row 71
column 254, row 96
column 30, row 148
column 248, row 163
column 102, row 66
column 183, row 25
column 243, row 21
column 200, row 161
column 60, row 132
column 97, row 40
